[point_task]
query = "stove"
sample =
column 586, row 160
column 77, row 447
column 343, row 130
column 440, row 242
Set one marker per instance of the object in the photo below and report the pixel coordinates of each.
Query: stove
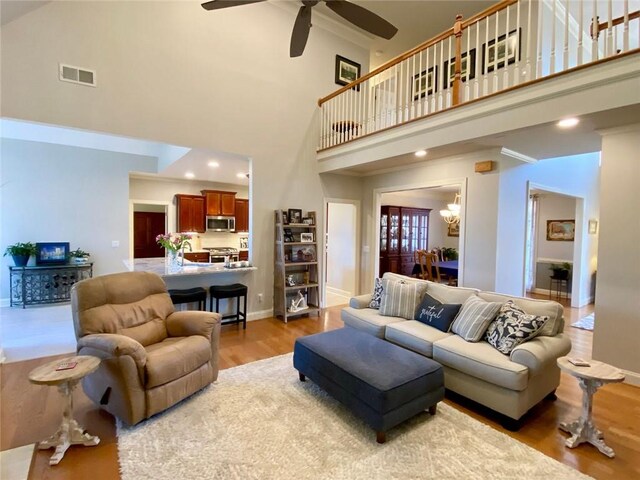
column 217, row 254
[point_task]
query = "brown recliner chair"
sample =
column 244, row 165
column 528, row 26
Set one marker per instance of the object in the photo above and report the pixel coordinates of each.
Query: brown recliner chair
column 152, row 356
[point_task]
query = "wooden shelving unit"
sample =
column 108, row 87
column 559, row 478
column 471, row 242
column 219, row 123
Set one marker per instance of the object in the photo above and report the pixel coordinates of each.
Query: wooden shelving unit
column 295, row 258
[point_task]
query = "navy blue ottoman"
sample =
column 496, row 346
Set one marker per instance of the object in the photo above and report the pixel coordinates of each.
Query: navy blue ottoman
column 379, row 382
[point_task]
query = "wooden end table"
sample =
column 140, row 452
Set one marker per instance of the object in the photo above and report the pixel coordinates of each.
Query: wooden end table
column 590, row 379
column 70, row 432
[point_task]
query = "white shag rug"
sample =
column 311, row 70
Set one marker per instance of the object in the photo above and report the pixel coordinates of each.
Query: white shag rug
column 586, row 322
column 258, row 421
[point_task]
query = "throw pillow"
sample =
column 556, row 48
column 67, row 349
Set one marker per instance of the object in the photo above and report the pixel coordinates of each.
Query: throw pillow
column 400, row 299
column 377, row 294
column 437, row 314
column 474, row 318
column 513, row 327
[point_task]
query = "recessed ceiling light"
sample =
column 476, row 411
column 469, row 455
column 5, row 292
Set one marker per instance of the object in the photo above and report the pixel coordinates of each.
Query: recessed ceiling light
column 241, row 175
column 190, row 175
column 568, row 122
column 213, row 164
column 421, row 153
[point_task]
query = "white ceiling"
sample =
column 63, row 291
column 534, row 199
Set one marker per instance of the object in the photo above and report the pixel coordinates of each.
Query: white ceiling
column 11, row 9
column 197, row 160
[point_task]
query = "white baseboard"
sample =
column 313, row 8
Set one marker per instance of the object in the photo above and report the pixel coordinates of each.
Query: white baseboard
column 4, row 302
column 260, row 315
column 337, row 291
column 632, row 378
column 2, row 357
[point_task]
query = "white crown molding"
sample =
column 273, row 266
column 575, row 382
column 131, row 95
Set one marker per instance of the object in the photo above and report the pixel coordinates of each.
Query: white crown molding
column 517, row 155
column 634, row 127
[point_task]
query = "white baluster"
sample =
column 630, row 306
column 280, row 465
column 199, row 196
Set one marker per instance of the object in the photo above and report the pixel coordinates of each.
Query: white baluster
column 505, row 75
column 516, row 76
column 436, row 80
column 448, row 97
column 467, row 84
column 495, row 68
column 540, row 32
column 594, row 32
column 609, row 50
column 552, row 66
column 580, row 31
column 625, row 28
column 565, row 55
column 476, row 85
column 527, row 68
column 485, row 56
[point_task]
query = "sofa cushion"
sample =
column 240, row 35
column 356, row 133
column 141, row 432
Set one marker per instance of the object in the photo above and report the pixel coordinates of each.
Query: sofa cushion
column 415, row 336
column 481, row 360
column 512, row 327
column 396, row 277
column 547, row 308
column 174, row 358
column 474, row 318
column 449, row 294
column 376, row 297
column 436, row 314
column 367, row 320
column 400, row 299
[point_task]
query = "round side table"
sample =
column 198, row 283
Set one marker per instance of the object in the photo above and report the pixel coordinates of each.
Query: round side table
column 70, row 432
column 590, row 379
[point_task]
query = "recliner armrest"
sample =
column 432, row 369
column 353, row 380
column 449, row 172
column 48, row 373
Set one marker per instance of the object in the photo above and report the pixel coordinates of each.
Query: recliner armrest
column 361, row 301
column 190, row 322
column 114, row 345
column 536, row 354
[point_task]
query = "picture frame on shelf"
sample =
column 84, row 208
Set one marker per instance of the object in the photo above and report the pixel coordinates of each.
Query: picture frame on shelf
column 347, row 71
column 288, row 236
column 453, row 230
column 425, row 83
column 467, row 71
column 312, row 216
column 306, row 237
column 285, row 217
column 503, row 53
column 561, row 230
column 307, row 221
column 52, row 253
column 294, row 215
column 304, row 254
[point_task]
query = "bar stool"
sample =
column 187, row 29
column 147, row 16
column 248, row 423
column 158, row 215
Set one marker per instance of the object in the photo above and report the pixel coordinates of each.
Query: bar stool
column 559, row 286
column 188, row 295
column 235, row 290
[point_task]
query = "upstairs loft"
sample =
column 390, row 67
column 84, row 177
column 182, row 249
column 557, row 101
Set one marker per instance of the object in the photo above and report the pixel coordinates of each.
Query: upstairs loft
column 501, row 78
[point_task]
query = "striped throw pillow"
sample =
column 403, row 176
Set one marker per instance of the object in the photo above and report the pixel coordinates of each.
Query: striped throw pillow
column 400, row 299
column 474, row 318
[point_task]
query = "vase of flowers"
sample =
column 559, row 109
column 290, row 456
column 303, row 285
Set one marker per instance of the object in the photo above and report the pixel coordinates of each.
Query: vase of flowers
column 173, row 243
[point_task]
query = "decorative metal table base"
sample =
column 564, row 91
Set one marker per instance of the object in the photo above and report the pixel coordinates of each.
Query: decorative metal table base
column 70, row 432
column 584, row 430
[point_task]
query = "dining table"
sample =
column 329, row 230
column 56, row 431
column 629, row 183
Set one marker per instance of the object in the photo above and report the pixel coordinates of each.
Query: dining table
column 448, row 267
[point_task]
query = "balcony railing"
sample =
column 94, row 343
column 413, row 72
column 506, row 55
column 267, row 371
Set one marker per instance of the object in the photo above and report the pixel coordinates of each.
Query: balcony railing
column 511, row 43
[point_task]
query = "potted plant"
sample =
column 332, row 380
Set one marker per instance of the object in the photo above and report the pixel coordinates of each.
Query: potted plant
column 20, row 252
column 561, row 272
column 450, row 253
column 79, row 256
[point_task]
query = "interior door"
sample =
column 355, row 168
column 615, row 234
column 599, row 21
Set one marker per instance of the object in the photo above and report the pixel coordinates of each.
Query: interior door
column 146, row 226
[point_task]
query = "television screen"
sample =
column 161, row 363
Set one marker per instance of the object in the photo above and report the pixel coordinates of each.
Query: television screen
column 52, row 253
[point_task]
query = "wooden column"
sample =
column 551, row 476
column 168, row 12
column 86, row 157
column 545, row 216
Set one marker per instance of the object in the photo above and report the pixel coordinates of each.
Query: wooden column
column 457, row 31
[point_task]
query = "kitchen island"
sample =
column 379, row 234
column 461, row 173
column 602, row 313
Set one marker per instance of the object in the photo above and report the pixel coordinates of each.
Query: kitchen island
column 192, row 274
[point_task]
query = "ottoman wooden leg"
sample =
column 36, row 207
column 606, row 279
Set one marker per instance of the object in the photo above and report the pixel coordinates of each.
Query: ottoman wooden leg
column 302, row 377
column 381, row 437
column 433, row 409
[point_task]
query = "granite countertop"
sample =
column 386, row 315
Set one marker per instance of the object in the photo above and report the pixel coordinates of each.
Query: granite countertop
column 158, row 265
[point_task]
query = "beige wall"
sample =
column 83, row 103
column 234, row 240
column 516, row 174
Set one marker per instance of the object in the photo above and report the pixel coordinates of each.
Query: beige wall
column 617, row 326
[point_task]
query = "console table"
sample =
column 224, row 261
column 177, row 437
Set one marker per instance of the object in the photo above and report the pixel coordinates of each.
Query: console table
column 41, row 285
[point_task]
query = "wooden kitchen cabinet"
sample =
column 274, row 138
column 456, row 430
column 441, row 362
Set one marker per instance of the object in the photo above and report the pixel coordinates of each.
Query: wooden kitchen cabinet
column 191, row 213
column 200, row 257
column 242, row 215
column 220, row 203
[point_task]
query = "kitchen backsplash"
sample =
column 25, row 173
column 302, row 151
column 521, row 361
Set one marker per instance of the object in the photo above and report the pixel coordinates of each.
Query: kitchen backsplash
column 216, row 239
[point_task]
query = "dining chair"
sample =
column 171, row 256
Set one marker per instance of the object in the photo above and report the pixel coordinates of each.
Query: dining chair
column 428, row 264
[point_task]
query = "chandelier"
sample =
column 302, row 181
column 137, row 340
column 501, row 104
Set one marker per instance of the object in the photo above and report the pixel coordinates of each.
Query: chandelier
column 452, row 213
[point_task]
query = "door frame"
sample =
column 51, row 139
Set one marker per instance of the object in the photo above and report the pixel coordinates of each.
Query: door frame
column 169, row 215
column 377, row 204
column 325, row 205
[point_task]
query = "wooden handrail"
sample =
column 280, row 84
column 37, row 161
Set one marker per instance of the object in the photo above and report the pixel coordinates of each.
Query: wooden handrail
column 423, row 46
column 616, row 21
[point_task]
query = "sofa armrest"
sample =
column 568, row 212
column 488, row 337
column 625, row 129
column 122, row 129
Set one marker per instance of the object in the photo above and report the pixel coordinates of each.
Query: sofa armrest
column 107, row 345
column 192, row 322
column 361, row 301
column 536, row 354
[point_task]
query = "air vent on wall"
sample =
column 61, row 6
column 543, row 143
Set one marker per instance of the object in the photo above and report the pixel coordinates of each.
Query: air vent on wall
column 78, row 75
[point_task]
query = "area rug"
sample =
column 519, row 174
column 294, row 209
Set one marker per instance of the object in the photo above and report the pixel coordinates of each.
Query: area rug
column 585, row 323
column 260, row 422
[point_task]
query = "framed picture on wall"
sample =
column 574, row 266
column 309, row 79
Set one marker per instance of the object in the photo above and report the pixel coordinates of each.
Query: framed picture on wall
column 501, row 53
column 467, row 72
column 453, row 230
column 425, row 83
column 347, row 71
column 561, row 230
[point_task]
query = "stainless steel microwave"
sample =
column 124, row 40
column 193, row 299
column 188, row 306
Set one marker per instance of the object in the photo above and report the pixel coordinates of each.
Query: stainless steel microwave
column 221, row 224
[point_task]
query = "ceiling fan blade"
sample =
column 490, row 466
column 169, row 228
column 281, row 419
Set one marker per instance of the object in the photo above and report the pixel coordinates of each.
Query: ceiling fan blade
column 218, row 4
column 300, row 32
column 363, row 18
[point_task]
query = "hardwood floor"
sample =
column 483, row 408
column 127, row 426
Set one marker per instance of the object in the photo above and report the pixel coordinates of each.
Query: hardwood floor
column 30, row 412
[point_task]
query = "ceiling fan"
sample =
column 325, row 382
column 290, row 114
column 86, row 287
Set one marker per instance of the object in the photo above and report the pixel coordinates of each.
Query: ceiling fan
column 359, row 16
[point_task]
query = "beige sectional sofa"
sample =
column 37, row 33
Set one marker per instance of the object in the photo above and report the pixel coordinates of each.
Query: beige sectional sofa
column 509, row 384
